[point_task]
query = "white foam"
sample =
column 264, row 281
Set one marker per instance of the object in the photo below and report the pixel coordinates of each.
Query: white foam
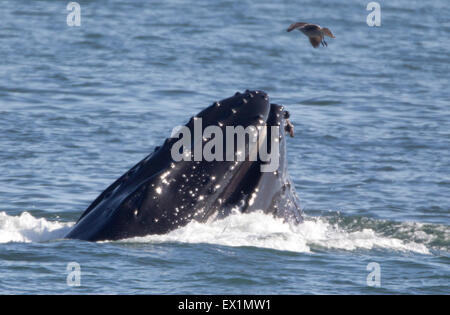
column 260, row 230
column 250, row 229
column 26, row 228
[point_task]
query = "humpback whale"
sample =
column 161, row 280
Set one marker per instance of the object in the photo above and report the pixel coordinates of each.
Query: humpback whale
column 162, row 193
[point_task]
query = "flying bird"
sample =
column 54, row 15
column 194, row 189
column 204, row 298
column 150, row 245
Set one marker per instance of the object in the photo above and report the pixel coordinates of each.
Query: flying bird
column 314, row 32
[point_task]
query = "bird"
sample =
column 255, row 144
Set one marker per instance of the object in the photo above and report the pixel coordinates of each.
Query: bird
column 314, row 32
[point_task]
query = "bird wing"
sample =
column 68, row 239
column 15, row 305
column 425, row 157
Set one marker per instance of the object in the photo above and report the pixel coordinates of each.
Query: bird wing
column 315, row 41
column 294, row 26
column 327, row 32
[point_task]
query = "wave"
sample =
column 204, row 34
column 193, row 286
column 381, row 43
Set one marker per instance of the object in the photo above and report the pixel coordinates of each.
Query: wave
column 257, row 229
column 316, row 233
column 26, row 228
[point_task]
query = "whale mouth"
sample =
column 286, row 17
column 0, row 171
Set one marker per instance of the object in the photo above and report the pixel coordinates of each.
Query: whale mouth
column 231, row 155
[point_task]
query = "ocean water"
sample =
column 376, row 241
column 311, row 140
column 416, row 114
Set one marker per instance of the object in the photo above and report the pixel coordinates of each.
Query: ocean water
column 370, row 159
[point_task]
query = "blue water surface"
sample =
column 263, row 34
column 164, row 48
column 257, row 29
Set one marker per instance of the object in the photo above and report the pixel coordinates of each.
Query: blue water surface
column 370, row 159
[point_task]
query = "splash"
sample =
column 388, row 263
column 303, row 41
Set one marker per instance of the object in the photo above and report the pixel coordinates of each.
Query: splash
column 257, row 229
column 260, row 230
column 26, row 228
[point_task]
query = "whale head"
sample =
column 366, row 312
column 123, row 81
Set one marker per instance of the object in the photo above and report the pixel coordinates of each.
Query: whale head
column 229, row 156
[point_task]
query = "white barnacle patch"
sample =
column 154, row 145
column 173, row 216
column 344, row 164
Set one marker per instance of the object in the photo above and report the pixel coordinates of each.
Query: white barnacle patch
column 252, row 199
column 158, row 190
column 164, row 178
column 165, row 174
column 136, row 212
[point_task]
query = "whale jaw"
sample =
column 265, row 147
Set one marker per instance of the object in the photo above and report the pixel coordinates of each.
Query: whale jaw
column 160, row 194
